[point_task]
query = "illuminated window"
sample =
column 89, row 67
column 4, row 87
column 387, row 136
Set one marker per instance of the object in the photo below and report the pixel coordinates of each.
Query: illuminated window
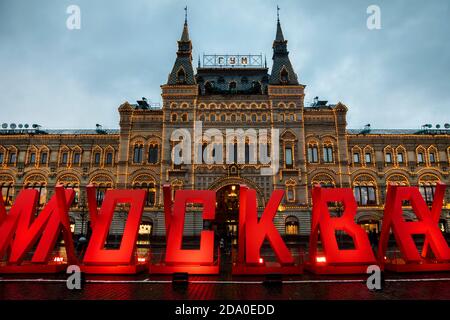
column 356, row 157
column 2, row 156
column 420, row 158
column 388, row 157
column 368, row 157
column 365, row 195
column 400, row 158
column 42, row 192
column 7, row 194
column 432, row 157
column 144, row 233
column 12, row 158
column 292, row 225
column 64, row 158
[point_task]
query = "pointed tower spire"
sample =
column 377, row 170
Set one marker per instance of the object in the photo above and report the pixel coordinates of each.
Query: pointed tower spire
column 282, row 71
column 182, row 71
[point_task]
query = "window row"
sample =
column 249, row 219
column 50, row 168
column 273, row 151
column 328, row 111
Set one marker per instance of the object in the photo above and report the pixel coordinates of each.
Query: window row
column 327, row 153
column 152, row 154
column 66, row 157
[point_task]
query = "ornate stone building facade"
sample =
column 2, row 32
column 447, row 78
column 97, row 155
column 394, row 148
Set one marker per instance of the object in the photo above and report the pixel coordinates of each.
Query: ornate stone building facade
column 316, row 147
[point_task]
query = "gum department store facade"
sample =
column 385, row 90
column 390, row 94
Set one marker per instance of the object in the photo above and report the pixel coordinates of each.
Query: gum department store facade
column 315, row 147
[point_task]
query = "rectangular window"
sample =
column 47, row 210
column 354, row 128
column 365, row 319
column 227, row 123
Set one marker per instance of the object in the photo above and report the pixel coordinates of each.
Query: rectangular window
column 327, row 154
column 97, row 158
column 76, row 158
column 400, row 157
column 44, row 156
column 288, row 157
column 153, row 154
column 365, row 195
column 313, row 154
column 12, row 158
column 33, row 158
column 432, row 158
column 356, row 158
column 388, row 158
column 368, row 157
column 64, row 157
column 137, row 155
column 109, row 158
column 420, row 157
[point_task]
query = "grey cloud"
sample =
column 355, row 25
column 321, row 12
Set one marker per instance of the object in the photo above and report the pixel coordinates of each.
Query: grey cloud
column 396, row 77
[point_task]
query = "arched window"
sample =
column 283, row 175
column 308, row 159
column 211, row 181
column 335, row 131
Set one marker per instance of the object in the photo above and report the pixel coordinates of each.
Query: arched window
column 12, row 156
column 313, row 153
column 254, row 117
column 400, row 156
column 292, row 226
column 223, row 118
column 388, row 155
column 432, row 155
column 420, row 155
column 7, row 189
column 233, row 118
column 328, row 152
column 153, row 154
column 174, row 117
column 243, row 117
column 427, row 187
column 138, row 153
column 284, row 75
column 368, row 155
column 290, row 190
column 364, row 187
column 102, row 183
column 70, row 181
column 184, row 117
column 39, row 183
column 181, row 76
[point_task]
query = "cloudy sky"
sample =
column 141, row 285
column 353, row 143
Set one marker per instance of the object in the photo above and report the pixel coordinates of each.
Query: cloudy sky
column 396, row 77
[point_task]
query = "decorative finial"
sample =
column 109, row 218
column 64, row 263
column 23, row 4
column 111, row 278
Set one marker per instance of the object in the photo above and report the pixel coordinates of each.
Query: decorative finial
column 185, row 15
column 278, row 13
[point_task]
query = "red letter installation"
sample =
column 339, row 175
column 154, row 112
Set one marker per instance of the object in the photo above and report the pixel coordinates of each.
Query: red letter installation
column 427, row 225
column 334, row 260
column 198, row 261
column 123, row 260
column 252, row 234
column 19, row 232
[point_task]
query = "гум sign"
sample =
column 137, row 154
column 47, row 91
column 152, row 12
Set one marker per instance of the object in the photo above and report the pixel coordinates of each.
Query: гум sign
column 19, row 232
